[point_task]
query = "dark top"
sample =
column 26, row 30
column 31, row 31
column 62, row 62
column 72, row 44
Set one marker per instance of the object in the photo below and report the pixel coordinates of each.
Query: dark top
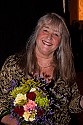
column 67, row 97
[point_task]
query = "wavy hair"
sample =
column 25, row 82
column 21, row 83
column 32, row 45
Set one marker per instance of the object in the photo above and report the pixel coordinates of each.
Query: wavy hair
column 63, row 55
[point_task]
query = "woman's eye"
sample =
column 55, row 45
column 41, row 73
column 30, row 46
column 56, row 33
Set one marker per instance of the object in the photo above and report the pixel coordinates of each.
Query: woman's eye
column 56, row 34
column 45, row 30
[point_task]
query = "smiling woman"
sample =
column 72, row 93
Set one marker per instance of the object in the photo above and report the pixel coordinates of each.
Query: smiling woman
column 48, row 60
column 47, row 41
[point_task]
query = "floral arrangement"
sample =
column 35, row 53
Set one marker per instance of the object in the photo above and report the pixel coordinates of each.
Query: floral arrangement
column 31, row 102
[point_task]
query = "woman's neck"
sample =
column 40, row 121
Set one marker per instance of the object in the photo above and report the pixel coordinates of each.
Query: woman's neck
column 44, row 61
column 46, row 66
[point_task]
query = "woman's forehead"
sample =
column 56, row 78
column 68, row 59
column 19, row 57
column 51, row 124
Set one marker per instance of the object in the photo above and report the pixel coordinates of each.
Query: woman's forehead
column 48, row 26
column 54, row 27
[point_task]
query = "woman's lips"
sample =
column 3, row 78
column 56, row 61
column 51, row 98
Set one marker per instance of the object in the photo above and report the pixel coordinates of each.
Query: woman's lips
column 46, row 43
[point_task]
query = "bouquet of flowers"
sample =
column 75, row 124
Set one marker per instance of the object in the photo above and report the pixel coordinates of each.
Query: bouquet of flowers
column 30, row 102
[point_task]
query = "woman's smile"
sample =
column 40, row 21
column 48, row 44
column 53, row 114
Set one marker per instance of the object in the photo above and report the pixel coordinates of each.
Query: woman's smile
column 47, row 40
column 46, row 43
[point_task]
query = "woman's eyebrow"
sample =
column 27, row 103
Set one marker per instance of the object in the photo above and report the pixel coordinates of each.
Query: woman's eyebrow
column 45, row 26
column 54, row 29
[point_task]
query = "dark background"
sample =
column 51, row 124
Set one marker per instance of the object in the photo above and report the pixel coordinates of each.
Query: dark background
column 18, row 20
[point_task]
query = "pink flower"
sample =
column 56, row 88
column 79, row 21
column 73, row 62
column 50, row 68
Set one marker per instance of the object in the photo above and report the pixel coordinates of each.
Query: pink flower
column 30, row 105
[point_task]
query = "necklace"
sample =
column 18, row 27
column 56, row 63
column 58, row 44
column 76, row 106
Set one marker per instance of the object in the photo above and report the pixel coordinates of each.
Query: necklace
column 44, row 62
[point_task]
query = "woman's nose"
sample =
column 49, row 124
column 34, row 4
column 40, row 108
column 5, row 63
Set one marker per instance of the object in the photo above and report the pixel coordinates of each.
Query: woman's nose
column 49, row 36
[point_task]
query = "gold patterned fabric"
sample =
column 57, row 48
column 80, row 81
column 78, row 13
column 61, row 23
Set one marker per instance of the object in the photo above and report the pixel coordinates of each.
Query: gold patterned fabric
column 67, row 97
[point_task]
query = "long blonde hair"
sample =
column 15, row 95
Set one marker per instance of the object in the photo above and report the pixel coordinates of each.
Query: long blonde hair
column 63, row 54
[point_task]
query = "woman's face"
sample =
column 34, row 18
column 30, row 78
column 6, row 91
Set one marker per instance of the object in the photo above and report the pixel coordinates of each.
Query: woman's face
column 47, row 41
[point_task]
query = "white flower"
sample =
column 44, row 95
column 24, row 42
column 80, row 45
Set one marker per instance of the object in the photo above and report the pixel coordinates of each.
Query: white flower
column 30, row 115
column 33, row 89
column 26, row 115
column 19, row 98
column 31, row 119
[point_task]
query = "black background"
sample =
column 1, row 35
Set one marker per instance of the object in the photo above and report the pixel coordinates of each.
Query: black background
column 18, row 20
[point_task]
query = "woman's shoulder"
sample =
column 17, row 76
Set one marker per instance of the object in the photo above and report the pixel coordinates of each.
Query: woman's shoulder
column 11, row 68
column 10, row 62
column 11, row 59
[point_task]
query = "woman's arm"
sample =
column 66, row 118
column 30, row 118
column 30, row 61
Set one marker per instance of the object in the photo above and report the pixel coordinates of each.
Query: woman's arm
column 9, row 70
column 75, row 103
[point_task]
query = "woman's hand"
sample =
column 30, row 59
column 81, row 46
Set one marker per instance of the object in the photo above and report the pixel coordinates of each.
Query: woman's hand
column 7, row 121
column 81, row 102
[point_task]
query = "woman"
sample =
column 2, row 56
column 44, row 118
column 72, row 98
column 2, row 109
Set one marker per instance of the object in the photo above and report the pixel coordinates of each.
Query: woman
column 48, row 53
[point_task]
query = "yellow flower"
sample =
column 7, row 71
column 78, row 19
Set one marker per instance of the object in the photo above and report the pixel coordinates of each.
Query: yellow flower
column 20, row 99
column 30, row 115
column 26, row 115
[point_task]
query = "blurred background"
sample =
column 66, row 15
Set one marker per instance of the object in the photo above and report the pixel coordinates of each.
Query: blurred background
column 18, row 19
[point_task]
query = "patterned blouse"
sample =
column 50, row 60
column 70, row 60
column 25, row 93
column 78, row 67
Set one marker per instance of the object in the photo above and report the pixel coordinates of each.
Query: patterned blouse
column 67, row 97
